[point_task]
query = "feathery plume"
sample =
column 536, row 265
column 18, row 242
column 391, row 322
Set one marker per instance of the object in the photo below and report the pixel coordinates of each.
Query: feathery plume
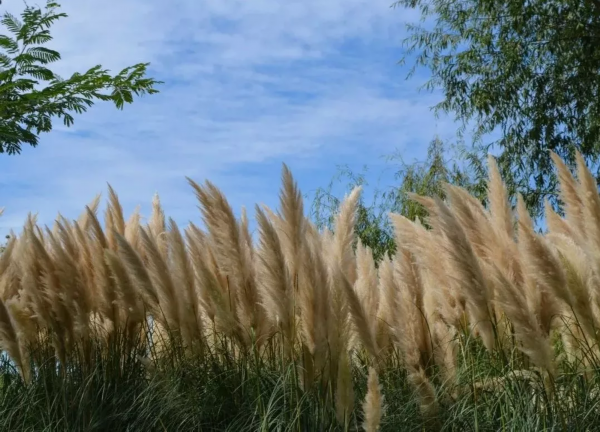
column 344, row 394
column 274, row 279
column 373, row 407
column 500, row 211
column 465, row 271
column 10, row 342
column 292, row 221
column 344, row 235
column 571, row 198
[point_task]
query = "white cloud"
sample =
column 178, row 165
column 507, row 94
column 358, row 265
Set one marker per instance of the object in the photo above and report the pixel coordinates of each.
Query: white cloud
column 248, row 84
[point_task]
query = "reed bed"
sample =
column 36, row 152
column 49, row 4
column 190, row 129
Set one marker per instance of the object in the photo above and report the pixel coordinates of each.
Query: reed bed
column 479, row 321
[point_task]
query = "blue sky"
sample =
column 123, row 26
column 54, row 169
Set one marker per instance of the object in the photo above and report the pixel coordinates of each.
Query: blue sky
column 248, row 85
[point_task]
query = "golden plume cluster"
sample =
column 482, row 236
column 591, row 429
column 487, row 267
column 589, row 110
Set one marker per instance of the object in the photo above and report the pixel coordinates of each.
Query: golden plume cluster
column 318, row 299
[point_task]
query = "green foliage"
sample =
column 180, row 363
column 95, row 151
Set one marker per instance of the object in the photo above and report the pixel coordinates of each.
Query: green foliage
column 3, row 246
column 31, row 94
column 427, row 177
column 530, row 70
column 122, row 389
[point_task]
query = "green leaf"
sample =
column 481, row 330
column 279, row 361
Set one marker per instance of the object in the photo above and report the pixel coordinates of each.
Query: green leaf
column 43, row 55
column 32, row 95
column 9, row 44
column 11, row 23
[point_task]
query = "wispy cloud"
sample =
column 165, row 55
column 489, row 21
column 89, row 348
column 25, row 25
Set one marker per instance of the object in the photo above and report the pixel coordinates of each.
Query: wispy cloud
column 248, row 85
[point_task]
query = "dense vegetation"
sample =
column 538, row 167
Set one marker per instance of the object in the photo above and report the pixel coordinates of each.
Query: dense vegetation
column 432, row 308
column 478, row 323
column 373, row 227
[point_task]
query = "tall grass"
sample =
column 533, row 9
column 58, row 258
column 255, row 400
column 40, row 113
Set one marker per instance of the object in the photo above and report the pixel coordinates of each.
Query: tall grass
column 479, row 323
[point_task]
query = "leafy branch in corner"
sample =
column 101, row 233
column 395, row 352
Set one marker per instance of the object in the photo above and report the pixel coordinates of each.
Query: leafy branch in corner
column 31, row 94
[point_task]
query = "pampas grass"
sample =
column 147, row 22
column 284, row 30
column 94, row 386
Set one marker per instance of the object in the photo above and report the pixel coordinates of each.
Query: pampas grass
column 211, row 327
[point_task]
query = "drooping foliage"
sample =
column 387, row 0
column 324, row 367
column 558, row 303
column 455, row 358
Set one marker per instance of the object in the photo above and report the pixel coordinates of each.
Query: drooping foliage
column 528, row 70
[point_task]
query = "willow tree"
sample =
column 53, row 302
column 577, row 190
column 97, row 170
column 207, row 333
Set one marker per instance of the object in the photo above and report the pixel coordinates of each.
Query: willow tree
column 32, row 95
column 526, row 70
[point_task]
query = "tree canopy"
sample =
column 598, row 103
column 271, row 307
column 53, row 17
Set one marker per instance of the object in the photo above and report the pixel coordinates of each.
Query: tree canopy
column 443, row 164
column 529, row 70
column 31, row 94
